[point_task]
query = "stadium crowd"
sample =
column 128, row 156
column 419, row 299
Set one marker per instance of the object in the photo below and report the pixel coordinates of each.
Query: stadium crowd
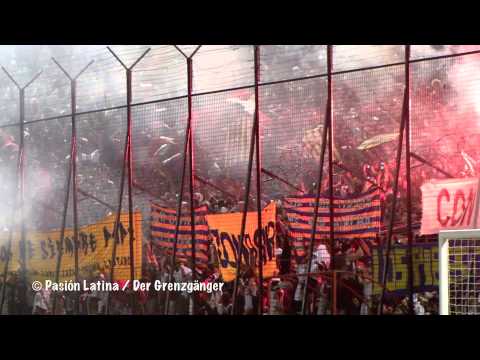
column 157, row 169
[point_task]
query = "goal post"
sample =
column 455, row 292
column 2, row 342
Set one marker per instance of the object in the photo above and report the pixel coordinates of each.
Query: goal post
column 459, row 272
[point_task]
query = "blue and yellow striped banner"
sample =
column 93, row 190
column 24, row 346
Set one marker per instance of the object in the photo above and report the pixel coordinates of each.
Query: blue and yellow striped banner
column 163, row 233
column 355, row 217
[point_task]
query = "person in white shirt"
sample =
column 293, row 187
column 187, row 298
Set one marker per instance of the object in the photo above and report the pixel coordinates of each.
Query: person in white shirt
column 276, row 297
column 367, row 295
column 183, row 300
column 187, row 276
column 299, row 290
column 321, row 258
column 418, row 307
column 102, row 298
column 41, row 302
column 250, row 290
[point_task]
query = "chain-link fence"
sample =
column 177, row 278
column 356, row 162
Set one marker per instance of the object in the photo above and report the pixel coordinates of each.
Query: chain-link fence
column 368, row 92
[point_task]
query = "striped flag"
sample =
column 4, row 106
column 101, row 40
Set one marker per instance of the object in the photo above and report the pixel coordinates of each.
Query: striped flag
column 354, row 218
column 163, row 233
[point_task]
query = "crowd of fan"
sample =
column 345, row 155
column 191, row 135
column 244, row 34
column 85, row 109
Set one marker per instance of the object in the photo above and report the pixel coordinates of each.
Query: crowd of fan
column 282, row 295
column 48, row 146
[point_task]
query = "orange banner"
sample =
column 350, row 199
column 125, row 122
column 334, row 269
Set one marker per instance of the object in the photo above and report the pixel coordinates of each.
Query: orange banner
column 225, row 231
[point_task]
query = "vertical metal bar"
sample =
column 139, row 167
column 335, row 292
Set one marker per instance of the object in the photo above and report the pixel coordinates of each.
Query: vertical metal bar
column 325, row 132
column 409, row 181
column 244, row 215
column 394, row 203
column 130, row 180
column 253, row 139
column 22, row 247
column 117, row 221
column 127, row 161
column 178, row 216
column 443, row 276
column 62, row 233
column 73, row 160
column 72, row 176
column 244, row 218
column 191, row 172
column 188, row 150
column 258, row 178
column 330, row 174
column 19, row 197
column 10, row 234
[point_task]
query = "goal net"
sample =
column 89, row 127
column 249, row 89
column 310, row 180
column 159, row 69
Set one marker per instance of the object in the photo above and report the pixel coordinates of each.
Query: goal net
column 459, row 273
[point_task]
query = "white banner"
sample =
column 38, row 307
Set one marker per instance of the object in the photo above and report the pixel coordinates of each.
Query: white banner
column 449, row 205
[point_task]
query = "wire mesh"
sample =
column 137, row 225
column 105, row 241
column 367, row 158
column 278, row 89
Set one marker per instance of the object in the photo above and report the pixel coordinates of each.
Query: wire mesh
column 293, row 155
column 47, row 154
column 100, row 149
column 284, row 62
column 8, row 168
column 463, row 276
column 367, row 108
column 221, row 157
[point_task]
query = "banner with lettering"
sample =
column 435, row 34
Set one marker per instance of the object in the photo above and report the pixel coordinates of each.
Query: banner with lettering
column 450, row 204
column 425, row 268
column 355, row 217
column 225, row 231
column 95, row 244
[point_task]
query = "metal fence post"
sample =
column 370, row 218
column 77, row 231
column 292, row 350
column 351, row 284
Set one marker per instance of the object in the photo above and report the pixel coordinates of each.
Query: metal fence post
column 188, row 149
column 9, row 241
column 127, row 161
column 325, row 133
column 330, row 175
column 409, row 182
column 258, row 174
column 20, row 193
column 394, row 199
column 73, row 177
column 254, row 139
